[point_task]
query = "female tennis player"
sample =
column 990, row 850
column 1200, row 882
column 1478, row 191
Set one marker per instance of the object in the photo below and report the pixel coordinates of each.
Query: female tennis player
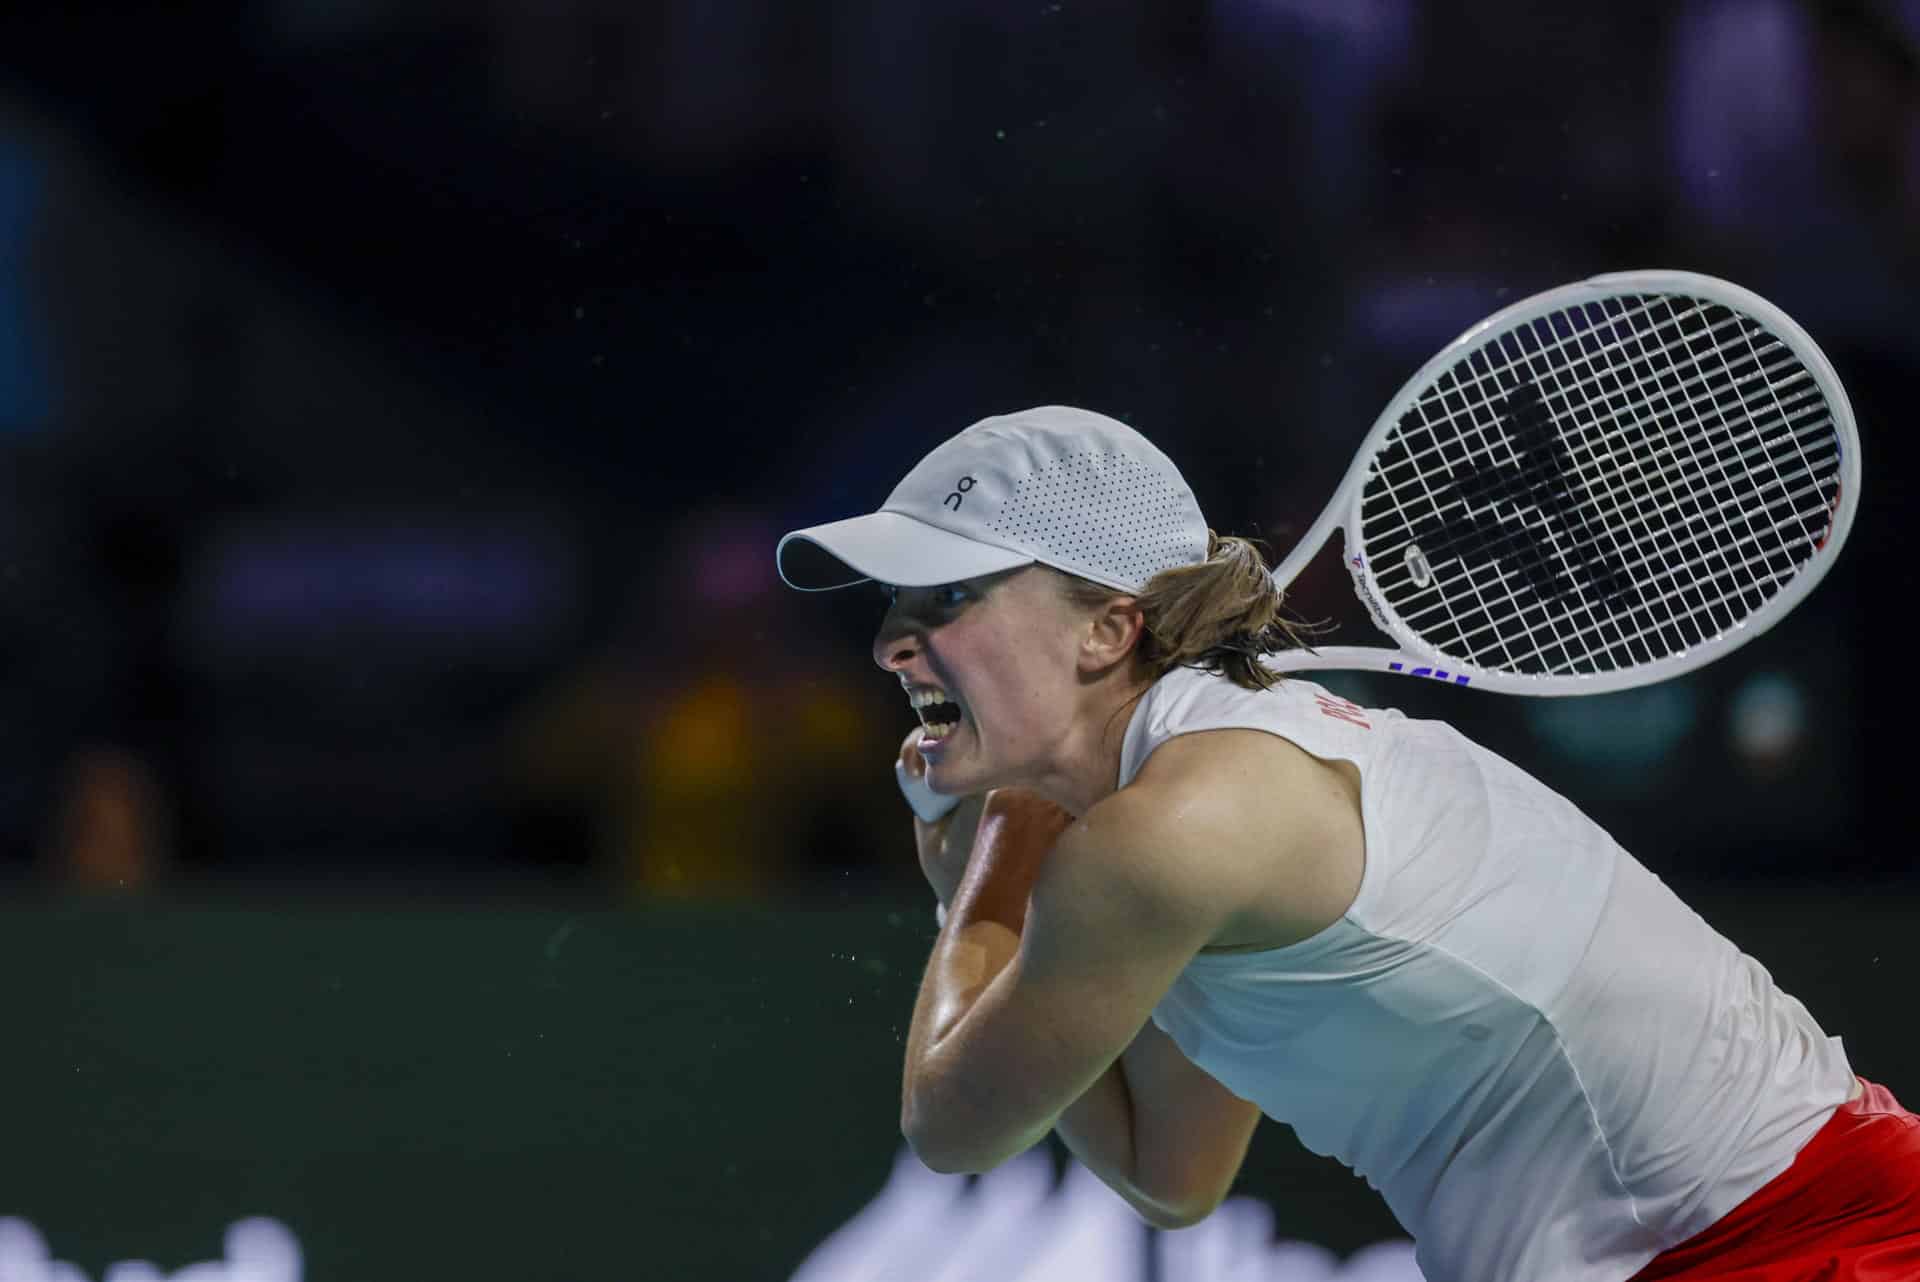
column 1179, row 892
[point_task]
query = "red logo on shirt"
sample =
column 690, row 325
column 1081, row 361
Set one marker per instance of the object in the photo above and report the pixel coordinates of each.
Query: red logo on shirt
column 1343, row 710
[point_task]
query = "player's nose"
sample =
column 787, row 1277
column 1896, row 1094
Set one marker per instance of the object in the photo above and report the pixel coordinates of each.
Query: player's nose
column 894, row 645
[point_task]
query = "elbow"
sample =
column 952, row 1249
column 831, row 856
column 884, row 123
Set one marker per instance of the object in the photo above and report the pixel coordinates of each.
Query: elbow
column 1177, row 1204
column 1175, row 1215
column 924, row 1141
column 945, row 1158
column 946, row 1162
column 946, row 1150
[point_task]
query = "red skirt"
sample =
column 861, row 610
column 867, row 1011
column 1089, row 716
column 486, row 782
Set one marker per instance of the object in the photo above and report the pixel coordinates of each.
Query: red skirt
column 1847, row 1210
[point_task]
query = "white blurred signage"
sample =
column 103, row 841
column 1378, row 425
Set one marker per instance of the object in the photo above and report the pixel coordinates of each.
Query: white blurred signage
column 257, row 1250
column 1017, row 1224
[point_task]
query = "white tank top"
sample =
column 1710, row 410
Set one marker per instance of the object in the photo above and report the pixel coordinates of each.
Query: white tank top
column 1549, row 1066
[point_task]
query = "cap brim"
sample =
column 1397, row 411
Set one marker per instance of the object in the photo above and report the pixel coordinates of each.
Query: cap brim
column 888, row 548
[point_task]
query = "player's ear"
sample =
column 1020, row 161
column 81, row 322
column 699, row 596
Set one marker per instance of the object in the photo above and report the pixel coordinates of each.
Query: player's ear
column 1113, row 632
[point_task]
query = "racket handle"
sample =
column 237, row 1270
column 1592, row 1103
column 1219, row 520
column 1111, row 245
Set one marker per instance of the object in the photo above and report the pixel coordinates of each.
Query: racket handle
column 1337, row 658
column 1360, row 658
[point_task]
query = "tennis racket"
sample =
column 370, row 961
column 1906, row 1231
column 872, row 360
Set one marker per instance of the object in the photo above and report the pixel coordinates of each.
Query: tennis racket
column 1601, row 486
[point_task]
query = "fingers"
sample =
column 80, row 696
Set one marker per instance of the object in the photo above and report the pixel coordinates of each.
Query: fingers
column 910, row 754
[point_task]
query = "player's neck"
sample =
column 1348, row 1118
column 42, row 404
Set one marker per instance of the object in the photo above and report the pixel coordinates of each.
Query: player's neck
column 1086, row 767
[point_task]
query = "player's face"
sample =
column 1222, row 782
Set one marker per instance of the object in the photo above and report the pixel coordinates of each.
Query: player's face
column 990, row 665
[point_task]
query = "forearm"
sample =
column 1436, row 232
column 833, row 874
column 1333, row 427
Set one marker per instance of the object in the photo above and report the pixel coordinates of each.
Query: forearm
column 981, row 937
column 955, row 1110
column 1098, row 1130
column 966, row 958
column 1103, row 1129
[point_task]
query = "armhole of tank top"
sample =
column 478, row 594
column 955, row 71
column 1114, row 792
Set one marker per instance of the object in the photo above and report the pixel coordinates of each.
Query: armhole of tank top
column 1369, row 876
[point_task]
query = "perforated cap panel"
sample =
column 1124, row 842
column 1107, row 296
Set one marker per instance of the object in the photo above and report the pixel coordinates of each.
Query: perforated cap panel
column 1106, row 516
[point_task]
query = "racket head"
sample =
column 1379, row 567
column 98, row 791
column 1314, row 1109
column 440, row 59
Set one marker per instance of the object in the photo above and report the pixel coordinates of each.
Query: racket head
column 1601, row 486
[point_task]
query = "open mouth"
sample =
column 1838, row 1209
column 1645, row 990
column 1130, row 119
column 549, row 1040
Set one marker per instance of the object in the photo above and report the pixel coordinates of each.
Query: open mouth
column 939, row 713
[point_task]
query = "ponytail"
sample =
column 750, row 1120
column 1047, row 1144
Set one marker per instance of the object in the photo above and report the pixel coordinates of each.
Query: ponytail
column 1220, row 615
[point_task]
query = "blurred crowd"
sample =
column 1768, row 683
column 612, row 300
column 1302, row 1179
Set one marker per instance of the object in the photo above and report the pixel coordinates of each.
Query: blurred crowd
column 400, row 401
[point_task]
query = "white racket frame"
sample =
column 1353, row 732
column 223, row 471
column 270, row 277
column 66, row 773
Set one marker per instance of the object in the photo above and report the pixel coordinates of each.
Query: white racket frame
column 1417, row 659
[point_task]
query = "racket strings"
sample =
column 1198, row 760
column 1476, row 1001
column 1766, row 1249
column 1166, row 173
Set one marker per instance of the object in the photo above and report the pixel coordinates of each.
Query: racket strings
column 1675, row 592
column 1754, row 538
column 1745, row 448
column 1614, row 529
column 1602, row 486
column 1583, row 546
column 1703, row 606
column 1530, row 478
column 1724, row 565
column 1808, row 398
column 1583, row 549
column 1418, row 459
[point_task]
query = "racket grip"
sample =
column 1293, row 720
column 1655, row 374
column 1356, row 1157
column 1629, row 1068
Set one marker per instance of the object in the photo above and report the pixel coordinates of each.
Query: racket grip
column 931, row 806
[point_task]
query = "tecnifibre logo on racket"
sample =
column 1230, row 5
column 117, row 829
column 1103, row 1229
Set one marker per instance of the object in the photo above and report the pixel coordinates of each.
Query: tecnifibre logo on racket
column 1363, row 587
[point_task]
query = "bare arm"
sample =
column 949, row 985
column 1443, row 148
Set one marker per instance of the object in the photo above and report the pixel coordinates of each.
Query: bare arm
column 1160, row 1132
column 1016, row 830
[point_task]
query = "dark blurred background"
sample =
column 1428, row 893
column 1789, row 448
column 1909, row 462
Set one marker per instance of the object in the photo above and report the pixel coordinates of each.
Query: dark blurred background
column 400, row 401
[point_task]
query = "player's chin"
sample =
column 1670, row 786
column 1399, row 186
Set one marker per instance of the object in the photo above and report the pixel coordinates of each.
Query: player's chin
column 954, row 766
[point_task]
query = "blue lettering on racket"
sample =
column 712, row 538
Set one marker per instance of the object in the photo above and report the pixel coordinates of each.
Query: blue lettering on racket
column 1438, row 674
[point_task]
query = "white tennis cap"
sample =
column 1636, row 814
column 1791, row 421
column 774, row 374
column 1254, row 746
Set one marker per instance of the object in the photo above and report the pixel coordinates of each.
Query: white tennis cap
column 1063, row 487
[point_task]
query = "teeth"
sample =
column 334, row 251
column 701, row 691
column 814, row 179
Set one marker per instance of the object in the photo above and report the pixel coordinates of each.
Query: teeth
column 924, row 697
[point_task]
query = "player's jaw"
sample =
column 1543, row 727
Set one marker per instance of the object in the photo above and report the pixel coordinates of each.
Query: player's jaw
column 953, row 740
column 993, row 740
column 960, row 734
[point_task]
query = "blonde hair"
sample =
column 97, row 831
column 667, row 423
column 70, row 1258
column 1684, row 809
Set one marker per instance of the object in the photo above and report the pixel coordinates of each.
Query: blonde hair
column 1220, row 615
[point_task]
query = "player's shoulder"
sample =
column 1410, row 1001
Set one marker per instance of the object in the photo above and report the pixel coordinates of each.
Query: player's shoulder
column 1227, row 774
column 1125, row 870
column 1198, row 793
column 1244, row 825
